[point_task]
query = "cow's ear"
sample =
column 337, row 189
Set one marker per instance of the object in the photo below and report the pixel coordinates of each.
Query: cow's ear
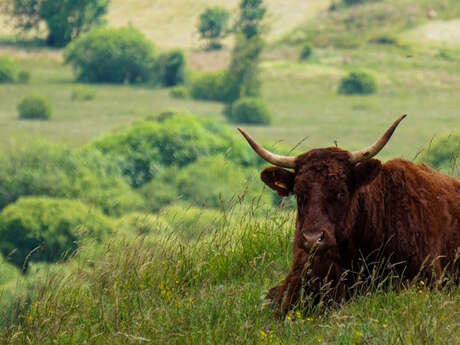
column 279, row 179
column 366, row 172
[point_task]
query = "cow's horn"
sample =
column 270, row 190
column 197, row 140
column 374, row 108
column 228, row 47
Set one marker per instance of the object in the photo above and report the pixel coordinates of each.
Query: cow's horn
column 281, row 161
column 371, row 151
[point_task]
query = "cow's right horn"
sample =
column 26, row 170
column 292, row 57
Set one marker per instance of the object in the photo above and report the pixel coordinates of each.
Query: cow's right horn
column 281, row 161
column 371, row 151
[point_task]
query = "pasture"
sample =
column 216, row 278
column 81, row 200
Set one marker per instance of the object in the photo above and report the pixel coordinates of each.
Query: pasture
column 202, row 275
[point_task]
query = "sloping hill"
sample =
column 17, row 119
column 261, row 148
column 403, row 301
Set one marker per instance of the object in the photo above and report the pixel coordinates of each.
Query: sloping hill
column 380, row 21
column 172, row 23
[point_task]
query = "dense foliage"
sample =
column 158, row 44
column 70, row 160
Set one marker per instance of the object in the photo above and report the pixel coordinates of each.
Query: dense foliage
column 112, row 56
column 252, row 13
column 38, row 168
column 212, row 86
column 143, row 149
column 172, row 67
column 215, row 181
column 43, row 229
column 213, row 25
column 249, row 110
column 65, row 19
column 34, row 108
column 179, row 92
column 358, row 83
column 306, row 51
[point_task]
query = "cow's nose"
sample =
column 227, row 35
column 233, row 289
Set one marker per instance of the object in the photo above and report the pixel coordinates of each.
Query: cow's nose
column 314, row 240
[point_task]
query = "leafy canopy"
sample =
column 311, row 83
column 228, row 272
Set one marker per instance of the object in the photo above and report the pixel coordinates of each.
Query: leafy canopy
column 65, row 19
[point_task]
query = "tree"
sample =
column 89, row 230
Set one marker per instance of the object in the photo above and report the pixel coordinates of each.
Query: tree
column 213, row 26
column 65, row 19
column 252, row 13
column 244, row 73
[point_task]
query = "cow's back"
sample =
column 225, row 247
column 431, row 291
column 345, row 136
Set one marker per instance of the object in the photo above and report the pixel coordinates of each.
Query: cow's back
column 415, row 212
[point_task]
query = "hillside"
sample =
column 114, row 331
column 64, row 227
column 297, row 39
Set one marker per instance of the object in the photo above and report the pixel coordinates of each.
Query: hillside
column 172, row 23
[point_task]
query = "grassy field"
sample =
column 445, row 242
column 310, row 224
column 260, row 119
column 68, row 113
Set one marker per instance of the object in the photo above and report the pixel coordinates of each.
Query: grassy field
column 208, row 288
column 170, row 291
column 302, row 96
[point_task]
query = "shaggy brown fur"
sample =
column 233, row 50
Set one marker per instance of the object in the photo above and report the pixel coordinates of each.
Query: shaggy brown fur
column 409, row 212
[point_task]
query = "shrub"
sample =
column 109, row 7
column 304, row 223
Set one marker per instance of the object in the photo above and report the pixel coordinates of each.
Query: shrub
column 38, row 168
column 212, row 86
column 215, row 181
column 172, row 67
column 43, row 229
column 112, row 56
column 160, row 191
column 249, row 110
column 24, row 77
column 443, row 154
column 65, row 19
column 213, row 26
column 358, row 83
column 143, row 149
column 180, row 92
column 306, row 52
column 34, row 108
column 83, row 93
column 8, row 70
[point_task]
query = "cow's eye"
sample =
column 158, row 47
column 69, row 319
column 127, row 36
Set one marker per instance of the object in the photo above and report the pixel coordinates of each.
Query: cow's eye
column 340, row 196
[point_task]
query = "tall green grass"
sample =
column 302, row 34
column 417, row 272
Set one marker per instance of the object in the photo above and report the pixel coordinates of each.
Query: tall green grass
column 163, row 289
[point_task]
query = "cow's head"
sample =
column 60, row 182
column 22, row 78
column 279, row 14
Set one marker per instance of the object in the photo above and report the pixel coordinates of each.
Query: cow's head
column 324, row 182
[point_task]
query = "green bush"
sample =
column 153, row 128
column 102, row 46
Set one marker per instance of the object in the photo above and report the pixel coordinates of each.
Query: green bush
column 358, row 83
column 444, row 154
column 34, row 108
column 306, row 52
column 8, row 70
column 38, row 168
column 215, row 181
column 160, row 191
column 212, row 86
column 43, row 229
column 23, row 77
column 143, row 149
column 172, row 67
column 112, row 56
column 65, row 19
column 83, row 93
column 213, row 26
column 249, row 110
column 179, row 92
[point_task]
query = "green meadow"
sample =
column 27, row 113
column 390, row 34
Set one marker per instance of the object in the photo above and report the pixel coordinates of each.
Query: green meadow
column 175, row 267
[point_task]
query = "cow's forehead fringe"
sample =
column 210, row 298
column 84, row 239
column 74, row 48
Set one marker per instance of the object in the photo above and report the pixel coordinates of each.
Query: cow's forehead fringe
column 322, row 157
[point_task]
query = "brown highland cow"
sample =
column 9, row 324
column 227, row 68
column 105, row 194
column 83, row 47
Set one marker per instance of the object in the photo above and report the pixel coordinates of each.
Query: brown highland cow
column 351, row 206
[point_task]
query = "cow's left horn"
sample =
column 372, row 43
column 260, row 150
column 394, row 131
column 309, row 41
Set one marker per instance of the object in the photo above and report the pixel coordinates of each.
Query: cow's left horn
column 281, row 161
column 371, row 151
